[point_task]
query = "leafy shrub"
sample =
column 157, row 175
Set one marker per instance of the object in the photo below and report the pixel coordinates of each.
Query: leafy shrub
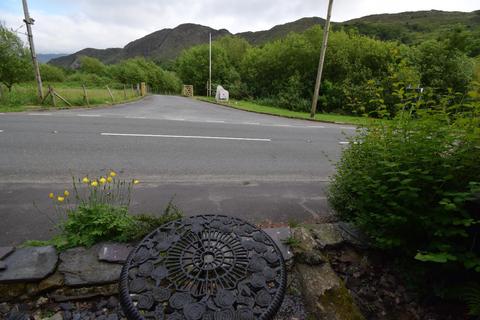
column 51, row 73
column 408, row 183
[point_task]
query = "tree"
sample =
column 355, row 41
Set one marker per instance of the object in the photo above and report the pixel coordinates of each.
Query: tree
column 52, row 73
column 15, row 64
column 92, row 65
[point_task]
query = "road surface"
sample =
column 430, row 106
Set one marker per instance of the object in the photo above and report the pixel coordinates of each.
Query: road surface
column 213, row 159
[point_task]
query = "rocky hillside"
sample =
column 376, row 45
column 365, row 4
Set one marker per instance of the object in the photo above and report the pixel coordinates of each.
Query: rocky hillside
column 166, row 44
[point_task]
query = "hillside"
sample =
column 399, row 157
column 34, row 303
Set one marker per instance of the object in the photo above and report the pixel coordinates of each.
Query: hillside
column 166, row 44
column 412, row 27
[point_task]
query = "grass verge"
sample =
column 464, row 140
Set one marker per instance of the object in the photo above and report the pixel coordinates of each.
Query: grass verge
column 23, row 97
column 275, row 111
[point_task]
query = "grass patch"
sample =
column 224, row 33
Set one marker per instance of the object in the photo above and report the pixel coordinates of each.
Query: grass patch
column 271, row 110
column 97, row 210
column 24, row 97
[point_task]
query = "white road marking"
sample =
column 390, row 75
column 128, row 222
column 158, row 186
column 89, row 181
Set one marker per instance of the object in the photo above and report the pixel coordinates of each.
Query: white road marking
column 175, row 119
column 280, row 125
column 320, row 127
column 39, row 114
column 89, row 115
column 344, row 142
column 212, row 121
column 1, row 131
column 135, row 117
column 348, row 128
column 182, row 137
column 1, row 113
column 252, row 123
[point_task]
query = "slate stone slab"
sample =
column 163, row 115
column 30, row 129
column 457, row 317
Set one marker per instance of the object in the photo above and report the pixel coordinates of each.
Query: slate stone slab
column 279, row 235
column 29, row 264
column 114, row 252
column 81, row 267
column 5, row 251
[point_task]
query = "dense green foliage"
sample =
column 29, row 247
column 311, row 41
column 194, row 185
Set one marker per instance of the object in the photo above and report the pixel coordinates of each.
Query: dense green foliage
column 410, row 183
column 15, row 63
column 360, row 73
column 51, row 73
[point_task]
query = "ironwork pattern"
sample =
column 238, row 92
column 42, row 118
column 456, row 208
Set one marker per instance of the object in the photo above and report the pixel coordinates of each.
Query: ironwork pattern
column 204, row 267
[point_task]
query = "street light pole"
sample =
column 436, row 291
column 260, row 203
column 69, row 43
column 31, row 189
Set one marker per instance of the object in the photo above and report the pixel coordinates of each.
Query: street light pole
column 322, row 60
column 210, row 69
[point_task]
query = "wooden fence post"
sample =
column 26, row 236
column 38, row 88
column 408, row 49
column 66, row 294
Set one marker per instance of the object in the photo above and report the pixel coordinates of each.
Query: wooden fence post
column 52, row 93
column 125, row 92
column 111, row 95
column 85, row 95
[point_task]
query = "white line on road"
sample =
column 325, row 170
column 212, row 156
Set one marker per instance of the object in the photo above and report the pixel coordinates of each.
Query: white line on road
column 1, row 131
column 280, row 125
column 344, row 142
column 89, row 115
column 135, row 117
column 212, row 121
column 39, row 114
column 348, row 128
column 320, row 127
column 182, row 137
column 175, row 119
column 252, row 123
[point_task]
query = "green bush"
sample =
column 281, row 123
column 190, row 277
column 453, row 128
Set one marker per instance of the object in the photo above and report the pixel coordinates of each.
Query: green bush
column 408, row 182
column 51, row 73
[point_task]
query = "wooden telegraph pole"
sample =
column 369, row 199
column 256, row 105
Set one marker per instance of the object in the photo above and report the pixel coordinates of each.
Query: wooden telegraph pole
column 29, row 22
column 322, row 60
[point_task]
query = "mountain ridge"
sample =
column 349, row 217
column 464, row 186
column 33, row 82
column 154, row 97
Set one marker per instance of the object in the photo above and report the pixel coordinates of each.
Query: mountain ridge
column 166, row 44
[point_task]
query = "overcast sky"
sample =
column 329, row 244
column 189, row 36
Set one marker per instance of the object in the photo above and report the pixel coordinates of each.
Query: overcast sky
column 67, row 26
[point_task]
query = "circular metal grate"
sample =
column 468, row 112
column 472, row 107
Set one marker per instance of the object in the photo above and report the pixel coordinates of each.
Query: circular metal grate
column 204, row 267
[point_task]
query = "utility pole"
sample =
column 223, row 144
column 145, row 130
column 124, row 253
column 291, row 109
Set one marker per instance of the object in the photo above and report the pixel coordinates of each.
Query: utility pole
column 322, row 60
column 29, row 22
column 210, row 69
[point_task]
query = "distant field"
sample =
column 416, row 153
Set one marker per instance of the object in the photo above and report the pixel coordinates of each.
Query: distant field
column 325, row 117
column 24, row 97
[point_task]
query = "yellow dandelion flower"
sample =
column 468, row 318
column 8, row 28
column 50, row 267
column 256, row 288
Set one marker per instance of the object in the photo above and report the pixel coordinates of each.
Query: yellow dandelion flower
column 94, row 183
column 60, row 199
column 51, row 195
column 113, row 174
column 85, row 180
column 66, row 193
column 102, row 180
column 136, row 181
column 109, row 179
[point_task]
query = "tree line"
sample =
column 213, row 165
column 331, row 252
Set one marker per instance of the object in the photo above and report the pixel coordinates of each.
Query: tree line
column 360, row 74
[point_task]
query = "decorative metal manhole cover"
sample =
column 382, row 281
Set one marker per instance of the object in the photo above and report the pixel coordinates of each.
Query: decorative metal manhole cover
column 204, row 267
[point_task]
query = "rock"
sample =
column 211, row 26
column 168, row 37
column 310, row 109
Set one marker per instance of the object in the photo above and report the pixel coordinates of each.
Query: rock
column 325, row 295
column 334, row 234
column 327, row 234
column 29, row 264
column 112, row 317
column 114, row 252
column 41, row 301
column 4, row 308
column 81, row 267
column 52, row 282
column 305, row 249
column 56, row 316
column 69, row 294
column 353, row 235
column 11, row 291
column 5, row 251
column 112, row 303
column 67, row 306
column 17, row 315
column 279, row 235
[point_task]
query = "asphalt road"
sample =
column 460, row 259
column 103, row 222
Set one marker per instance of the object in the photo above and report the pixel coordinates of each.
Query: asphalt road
column 213, row 159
